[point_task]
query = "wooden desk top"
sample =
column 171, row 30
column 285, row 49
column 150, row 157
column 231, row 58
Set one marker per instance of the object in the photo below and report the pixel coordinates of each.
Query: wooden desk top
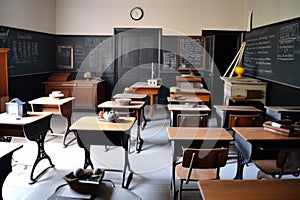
column 144, row 85
column 192, row 108
column 6, row 148
column 31, row 117
column 237, row 108
column 189, row 90
column 258, row 133
column 276, row 189
column 201, row 133
column 130, row 96
column 244, row 80
column 92, row 123
column 184, row 100
column 189, row 78
column 51, row 101
column 281, row 109
column 114, row 104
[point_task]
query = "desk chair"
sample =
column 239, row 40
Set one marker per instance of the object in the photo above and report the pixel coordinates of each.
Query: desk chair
column 192, row 120
column 287, row 163
column 241, row 121
column 200, row 164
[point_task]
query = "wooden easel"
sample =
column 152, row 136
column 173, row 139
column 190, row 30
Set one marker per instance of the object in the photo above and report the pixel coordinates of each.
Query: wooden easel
column 237, row 59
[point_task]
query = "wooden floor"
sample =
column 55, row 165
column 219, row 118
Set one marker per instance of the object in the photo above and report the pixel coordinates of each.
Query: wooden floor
column 152, row 166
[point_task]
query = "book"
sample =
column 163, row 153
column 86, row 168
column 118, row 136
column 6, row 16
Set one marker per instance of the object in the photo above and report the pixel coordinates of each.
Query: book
column 285, row 130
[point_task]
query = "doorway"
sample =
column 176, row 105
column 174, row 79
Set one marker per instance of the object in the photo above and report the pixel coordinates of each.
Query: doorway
column 136, row 51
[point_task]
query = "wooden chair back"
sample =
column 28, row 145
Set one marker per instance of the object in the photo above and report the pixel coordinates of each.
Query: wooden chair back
column 244, row 120
column 288, row 160
column 192, row 120
column 204, row 159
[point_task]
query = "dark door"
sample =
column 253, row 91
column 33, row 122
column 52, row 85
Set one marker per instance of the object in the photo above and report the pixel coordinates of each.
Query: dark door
column 224, row 47
column 136, row 50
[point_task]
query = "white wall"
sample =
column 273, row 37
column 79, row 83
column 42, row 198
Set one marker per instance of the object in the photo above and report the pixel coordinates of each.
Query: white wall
column 271, row 11
column 38, row 15
column 100, row 17
column 183, row 16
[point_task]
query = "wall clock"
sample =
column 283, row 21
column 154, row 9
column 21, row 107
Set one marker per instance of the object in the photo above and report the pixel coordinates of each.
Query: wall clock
column 136, row 13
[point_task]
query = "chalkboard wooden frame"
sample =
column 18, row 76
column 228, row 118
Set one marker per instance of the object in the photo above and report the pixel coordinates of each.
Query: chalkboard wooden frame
column 65, row 56
column 196, row 56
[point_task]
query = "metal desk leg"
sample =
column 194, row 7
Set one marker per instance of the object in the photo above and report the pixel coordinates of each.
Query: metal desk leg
column 65, row 137
column 127, row 165
column 40, row 156
column 139, row 140
column 240, row 167
column 66, row 112
column 144, row 119
column 173, row 184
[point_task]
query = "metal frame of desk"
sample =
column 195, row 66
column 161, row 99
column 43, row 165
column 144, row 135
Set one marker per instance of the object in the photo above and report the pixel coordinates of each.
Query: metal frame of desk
column 63, row 107
column 34, row 127
column 6, row 152
column 137, row 107
column 92, row 131
column 255, row 143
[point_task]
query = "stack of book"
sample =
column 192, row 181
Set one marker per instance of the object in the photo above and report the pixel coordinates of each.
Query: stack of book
column 282, row 128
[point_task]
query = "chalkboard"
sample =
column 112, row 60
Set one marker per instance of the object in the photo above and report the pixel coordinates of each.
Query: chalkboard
column 91, row 52
column 273, row 52
column 191, row 52
column 30, row 51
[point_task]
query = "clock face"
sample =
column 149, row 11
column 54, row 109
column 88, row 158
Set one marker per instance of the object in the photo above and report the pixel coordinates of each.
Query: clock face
column 137, row 13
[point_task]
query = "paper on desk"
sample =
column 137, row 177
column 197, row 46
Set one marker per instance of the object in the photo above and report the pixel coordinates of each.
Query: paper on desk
column 68, row 192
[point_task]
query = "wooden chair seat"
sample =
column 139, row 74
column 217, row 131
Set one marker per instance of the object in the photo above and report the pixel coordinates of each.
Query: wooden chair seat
column 197, row 174
column 200, row 164
column 287, row 162
column 270, row 167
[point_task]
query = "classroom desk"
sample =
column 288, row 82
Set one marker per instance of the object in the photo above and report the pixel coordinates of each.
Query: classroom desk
column 276, row 189
column 283, row 112
column 137, row 107
column 176, row 109
column 200, row 93
column 34, row 127
column 144, row 88
column 223, row 112
column 57, row 106
column 92, row 131
column 6, row 152
column 134, row 97
column 195, row 138
column 255, row 143
column 184, row 100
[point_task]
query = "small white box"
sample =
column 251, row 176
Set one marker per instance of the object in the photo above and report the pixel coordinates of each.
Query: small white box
column 15, row 107
column 153, row 82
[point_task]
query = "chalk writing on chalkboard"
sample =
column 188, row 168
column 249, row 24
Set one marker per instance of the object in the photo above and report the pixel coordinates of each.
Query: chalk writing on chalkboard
column 273, row 52
column 64, row 56
column 25, row 49
column 191, row 52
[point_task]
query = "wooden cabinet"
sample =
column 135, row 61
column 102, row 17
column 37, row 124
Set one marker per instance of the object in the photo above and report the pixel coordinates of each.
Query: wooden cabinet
column 3, row 79
column 88, row 93
column 249, row 89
